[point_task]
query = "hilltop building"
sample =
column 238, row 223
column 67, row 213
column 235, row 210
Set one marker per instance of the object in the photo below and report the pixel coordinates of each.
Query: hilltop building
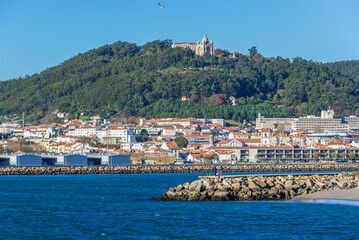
column 201, row 48
column 189, row 45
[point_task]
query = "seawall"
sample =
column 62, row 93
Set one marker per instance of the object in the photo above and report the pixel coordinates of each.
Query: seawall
column 138, row 169
column 259, row 187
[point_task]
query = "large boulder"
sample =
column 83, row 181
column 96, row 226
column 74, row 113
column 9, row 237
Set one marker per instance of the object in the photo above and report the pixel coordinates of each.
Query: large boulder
column 220, row 195
column 261, row 183
column 288, row 184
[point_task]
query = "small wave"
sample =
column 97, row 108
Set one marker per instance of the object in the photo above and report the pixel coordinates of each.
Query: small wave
column 333, row 201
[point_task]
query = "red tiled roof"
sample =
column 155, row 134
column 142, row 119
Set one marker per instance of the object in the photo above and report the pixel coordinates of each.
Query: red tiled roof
column 241, row 134
column 172, row 145
column 159, row 149
column 250, row 140
column 179, row 43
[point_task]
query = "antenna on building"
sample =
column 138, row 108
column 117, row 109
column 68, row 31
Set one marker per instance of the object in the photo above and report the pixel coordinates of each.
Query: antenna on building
column 23, row 119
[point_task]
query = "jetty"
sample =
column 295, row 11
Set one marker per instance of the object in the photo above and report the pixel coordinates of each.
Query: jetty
column 254, row 187
column 121, row 164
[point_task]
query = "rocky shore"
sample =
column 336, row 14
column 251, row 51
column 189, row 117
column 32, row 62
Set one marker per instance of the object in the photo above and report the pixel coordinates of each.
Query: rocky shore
column 261, row 187
column 137, row 169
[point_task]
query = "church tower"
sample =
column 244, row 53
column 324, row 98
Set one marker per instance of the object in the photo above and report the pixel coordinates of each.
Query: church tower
column 204, row 47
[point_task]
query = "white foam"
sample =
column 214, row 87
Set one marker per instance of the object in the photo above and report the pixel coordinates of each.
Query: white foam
column 331, row 201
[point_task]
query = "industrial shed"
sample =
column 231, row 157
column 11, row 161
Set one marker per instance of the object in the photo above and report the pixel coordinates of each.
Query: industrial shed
column 94, row 160
column 116, row 160
column 72, row 160
column 49, row 160
column 4, row 160
column 26, row 160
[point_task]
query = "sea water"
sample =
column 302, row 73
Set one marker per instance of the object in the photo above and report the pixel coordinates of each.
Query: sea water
column 120, row 207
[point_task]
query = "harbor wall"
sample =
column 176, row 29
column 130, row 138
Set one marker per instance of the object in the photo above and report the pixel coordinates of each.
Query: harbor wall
column 138, row 169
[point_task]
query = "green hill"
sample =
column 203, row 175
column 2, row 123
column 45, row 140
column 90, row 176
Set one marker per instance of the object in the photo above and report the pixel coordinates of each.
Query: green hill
column 347, row 68
column 150, row 80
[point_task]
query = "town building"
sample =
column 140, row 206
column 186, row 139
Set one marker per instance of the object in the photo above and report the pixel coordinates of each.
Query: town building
column 274, row 123
column 310, row 123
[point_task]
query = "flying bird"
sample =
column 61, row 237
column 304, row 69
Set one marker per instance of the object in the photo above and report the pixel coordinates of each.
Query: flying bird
column 159, row 4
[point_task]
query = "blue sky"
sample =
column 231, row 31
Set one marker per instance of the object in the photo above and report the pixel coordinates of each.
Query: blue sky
column 37, row 34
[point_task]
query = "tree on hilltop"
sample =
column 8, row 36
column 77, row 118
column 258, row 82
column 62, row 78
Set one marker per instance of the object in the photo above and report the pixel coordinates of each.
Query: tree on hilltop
column 220, row 52
column 252, row 51
column 157, row 45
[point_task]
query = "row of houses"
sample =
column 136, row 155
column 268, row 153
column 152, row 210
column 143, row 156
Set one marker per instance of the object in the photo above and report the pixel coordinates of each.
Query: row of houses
column 206, row 140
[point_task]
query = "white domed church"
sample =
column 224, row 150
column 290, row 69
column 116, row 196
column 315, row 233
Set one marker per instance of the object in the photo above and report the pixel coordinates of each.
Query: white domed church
column 201, row 48
column 204, row 47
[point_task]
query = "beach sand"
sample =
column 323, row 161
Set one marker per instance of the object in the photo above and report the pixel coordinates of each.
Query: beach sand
column 346, row 194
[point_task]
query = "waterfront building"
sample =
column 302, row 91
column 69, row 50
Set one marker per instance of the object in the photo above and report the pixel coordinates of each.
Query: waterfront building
column 323, row 123
column 290, row 153
column 25, row 160
column 152, row 159
column 72, row 160
column 353, row 122
column 273, row 123
column 310, row 123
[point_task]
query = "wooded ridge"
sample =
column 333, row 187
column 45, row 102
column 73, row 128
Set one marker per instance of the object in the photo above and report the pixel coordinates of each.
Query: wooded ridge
column 150, row 80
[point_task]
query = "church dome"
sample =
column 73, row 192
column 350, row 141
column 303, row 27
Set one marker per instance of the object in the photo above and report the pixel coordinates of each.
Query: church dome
column 205, row 39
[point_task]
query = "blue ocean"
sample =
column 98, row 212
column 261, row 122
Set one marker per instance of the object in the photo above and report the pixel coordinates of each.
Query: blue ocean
column 120, row 207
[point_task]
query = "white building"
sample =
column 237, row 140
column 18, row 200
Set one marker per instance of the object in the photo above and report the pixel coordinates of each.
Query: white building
column 86, row 131
column 169, row 132
column 124, row 133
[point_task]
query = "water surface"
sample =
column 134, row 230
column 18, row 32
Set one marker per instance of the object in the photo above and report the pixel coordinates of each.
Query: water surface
column 120, row 207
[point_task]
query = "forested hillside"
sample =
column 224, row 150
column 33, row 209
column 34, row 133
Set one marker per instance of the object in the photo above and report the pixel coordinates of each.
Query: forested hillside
column 347, row 68
column 149, row 81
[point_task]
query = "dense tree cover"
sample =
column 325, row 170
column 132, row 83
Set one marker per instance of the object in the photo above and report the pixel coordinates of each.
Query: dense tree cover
column 143, row 136
column 348, row 68
column 181, row 141
column 176, row 108
column 149, row 80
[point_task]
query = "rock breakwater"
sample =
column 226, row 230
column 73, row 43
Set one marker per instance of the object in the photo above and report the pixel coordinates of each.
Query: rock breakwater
column 249, row 188
column 137, row 169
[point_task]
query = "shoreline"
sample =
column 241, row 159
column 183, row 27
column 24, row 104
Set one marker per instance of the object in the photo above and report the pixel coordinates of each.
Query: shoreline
column 345, row 194
column 143, row 169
